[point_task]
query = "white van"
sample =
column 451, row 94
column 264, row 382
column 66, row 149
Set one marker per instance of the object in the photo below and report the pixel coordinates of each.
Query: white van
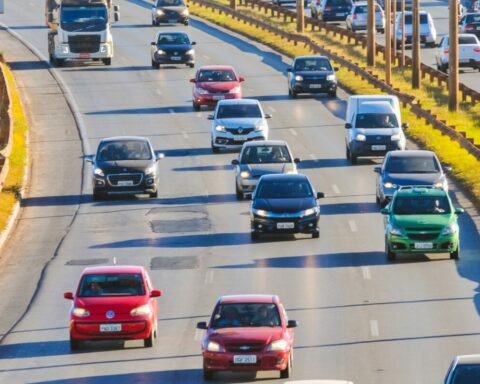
column 373, row 126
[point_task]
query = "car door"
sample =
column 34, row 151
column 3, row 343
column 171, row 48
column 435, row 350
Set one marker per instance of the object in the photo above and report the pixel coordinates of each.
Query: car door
column 440, row 49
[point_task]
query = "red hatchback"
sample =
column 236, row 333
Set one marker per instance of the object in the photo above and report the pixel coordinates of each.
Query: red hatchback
column 113, row 302
column 248, row 333
column 215, row 82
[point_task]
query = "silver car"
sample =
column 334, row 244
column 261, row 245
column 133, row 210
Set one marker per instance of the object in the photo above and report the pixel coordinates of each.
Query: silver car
column 236, row 121
column 428, row 32
column 465, row 369
column 357, row 18
column 259, row 158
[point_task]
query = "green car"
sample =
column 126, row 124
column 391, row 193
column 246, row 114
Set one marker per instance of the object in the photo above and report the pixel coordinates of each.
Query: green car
column 421, row 219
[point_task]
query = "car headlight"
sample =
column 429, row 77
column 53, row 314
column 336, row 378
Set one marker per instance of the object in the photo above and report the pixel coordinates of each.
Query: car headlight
column 98, row 172
column 278, row 345
column 220, row 128
column 244, row 174
column 160, row 12
column 396, row 231
column 142, row 310
column 151, row 170
column 310, row 211
column 292, row 171
column 298, row 78
column 212, row 346
column 80, row 312
column 389, row 185
column 160, row 52
column 103, row 48
column 260, row 127
column 190, row 52
column 260, row 212
column 331, row 77
column 65, row 49
column 185, row 12
column 441, row 184
column 360, row 137
column 450, row 229
column 396, row 137
column 235, row 90
column 201, row 91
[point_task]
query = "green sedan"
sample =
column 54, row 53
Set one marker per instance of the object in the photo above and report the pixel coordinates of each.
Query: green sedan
column 421, row 219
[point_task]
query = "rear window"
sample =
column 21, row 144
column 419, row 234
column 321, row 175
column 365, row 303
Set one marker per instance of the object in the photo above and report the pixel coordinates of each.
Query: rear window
column 338, row 2
column 362, row 9
column 473, row 18
column 423, row 18
column 111, row 284
column 467, row 40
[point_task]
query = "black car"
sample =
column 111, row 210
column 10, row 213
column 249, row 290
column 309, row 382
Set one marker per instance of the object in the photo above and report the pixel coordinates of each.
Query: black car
column 330, row 10
column 170, row 11
column 284, row 203
column 172, row 48
column 311, row 74
column 405, row 168
column 124, row 165
column 470, row 23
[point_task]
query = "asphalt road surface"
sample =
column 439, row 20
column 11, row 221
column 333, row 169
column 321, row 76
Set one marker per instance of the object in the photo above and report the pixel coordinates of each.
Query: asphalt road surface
column 361, row 317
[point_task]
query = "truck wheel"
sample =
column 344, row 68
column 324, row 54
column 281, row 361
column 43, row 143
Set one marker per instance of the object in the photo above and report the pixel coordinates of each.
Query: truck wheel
column 107, row 61
column 332, row 94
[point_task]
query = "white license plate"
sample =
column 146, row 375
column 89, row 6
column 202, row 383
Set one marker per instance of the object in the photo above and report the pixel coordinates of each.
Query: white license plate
column 218, row 97
column 315, row 85
column 244, row 359
column 110, row 327
column 175, row 58
column 463, row 60
column 125, row 183
column 340, row 14
column 240, row 138
column 84, row 55
column 172, row 20
column 423, row 245
column 285, row 225
column 379, row 147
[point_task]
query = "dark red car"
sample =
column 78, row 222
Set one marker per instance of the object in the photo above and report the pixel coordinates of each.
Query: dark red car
column 215, row 82
column 113, row 302
column 248, row 333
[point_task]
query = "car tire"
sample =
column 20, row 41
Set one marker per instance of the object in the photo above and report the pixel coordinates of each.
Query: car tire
column 154, row 195
column 207, row 374
column 294, row 94
column 74, row 344
column 196, row 107
column 285, row 373
column 347, row 153
column 150, row 340
column 239, row 194
column 215, row 149
column 332, row 94
column 455, row 254
column 191, row 65
column 107, row 61
column 390, row 254
column 353, row 158
column 377, row 200
column 97, row 196
column 185, row 23
column 58, row 62
column 155, row 65
column 255, row 236
column 154, row 23
column 316, row 235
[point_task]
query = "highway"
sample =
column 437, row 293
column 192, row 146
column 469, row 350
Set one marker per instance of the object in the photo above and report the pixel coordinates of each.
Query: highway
column 361, row 318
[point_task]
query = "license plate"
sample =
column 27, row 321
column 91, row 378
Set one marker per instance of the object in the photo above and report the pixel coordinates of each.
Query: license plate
column 379, row 147
column 463, row 60
column 285, row 225
column 176, row 58
column 218, row 97
column 84, row 55
column 423, row 245
column 172, row 20
column 340, row 14
column 244, row 359
column 110, row 327
column 240, row 138
column 125, row 183
column 315, row 85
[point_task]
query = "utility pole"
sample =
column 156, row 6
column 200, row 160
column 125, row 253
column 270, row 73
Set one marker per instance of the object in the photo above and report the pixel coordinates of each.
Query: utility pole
column 300, row 17
column 394, row 30
column 453, row 58
column 416, row 46
column 388, row 42
column 402, row 25
column 371, row 33
column 233, row 4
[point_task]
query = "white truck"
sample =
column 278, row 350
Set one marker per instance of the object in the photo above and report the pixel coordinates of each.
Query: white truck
column 80, row 30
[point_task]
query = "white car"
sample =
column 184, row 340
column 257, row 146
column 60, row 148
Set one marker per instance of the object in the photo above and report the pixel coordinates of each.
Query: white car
column 468, row 52
column 237, row 121
column 463, row 370
column 428, row 32
column 357, row 18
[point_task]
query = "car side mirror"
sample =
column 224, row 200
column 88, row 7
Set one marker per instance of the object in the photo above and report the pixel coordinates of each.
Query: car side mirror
column 292, row 324
column 447, row 168
column 156, row 293
column 405, row 125
column 89, row 160
column 202, row 325
column 210, row 117
column 297, row 160
column 116, row 17
column 336, row 69
column 193, row 43
column 68, row 295
column 193, row 81
column 235, row 162
column 377, row 170
column 289, row 69
column 160, row 156
column 268, row 116
column 241, row 78
column 384, row 211
column 320, row 195
column 348, row 126
column 153, row 43
column 459, row 211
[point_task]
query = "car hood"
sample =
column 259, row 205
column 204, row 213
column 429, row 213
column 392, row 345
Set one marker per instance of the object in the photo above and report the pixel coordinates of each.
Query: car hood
column 309, row 74
column 178, row 9
column 237, row 122
column 263, row 335
column 125, row 165
column 285, row 205
column 258, row 170
column 100, row 305
column 412, row 178
column 217, row 86
column 173, row 47
column 377, row 131
column 419, row 221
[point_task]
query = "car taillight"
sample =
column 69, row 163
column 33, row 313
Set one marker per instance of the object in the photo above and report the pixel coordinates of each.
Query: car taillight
column 445, row 51
column 327, row 8
column 354, row 16
column 318, row 2
column 468, row 27
column 476, row 49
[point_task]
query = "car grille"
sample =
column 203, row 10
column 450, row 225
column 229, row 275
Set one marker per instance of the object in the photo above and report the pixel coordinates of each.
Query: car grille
column 315, row 79
column 239, row 131
column 174, row 52
column 244, row 347
column 84, row 43
column 170, row 13
column 377, row 139
column 423, row 229
column 423, row 236
column 135, row 178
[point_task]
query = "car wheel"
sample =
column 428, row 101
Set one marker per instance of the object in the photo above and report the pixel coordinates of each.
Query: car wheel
column 154, row 23
column 155, row 65
column 107, row 61
column 353, row 158
column 215, row 149
column 285, row 373
column 332, row 94
column 191, row 65
column 149, row 341
column 207, row 374
column 58, row 62
column 377, row 200
column 196, row 107
column 154, row 195
column 455, row 254
column 185, row 23
column 255, row 236
column 390, row 254
column 97, row 196
column 74, row 344
column 316, row 235
column 294, row 94
column 347, row 153
column 239, row 194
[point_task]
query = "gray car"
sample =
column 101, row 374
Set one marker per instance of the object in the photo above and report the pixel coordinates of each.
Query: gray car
column 258, row 158
column 465, row 369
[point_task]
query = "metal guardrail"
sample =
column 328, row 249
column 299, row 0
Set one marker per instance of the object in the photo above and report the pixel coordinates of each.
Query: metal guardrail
column 406, row 99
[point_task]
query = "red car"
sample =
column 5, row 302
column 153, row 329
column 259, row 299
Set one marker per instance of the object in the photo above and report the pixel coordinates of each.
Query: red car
column 215, row 82
column 113, row 302
column 248, row 333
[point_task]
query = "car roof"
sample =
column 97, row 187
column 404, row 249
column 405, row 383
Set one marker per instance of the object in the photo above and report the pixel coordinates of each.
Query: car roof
column 284, row 176
column 258, row 143
column 216, row 67
column 468, row 359
column 420, row 190
column 312, row 57
column 412, row 153
column 410, row 12
column 376, row 106
column 248, row 299
column 105, row 269
column 238, row 101
column 124, row 138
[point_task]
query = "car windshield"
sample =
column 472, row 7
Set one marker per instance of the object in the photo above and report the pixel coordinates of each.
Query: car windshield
column 466, row 374
column 376, row 120
column 312, row 65
column 111, row 284
column 84, row 19
column 423, row 18
column 173, row 39
column 421, row 205
column 284, row 189
column 463, row 40
column 216, row 75
column 124, row 150
column 227, row 111
column 246, row 315
column 473, row 18
column 265, row 154
column 417, row 164
column 170, row 3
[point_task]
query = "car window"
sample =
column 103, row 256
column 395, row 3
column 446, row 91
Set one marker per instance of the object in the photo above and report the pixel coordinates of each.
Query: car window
column 314, row 64
column 421, row 205
column 423, row 18
column 261, row 154
column 226, row 111
column 173, row 38
column 376, row 120
column 472, row 18
column 338, row 2
column 246, row 315
column 467, row 40
column 216, row 75
column 466, row 374
column 124, row 150
column 170, row 3
column 283, row 189
column 111, row 284
column 361, row 9
column 420, row 164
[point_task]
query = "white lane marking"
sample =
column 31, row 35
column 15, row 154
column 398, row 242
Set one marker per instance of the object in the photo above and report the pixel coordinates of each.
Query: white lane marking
column 185, row 135
column 199, row 114
column 293, row 132
column 206, row 57
column 209, row 277
column 374, row 328
column 366, row 273
column 335, row 189
column 207, row 194
column 198, row 335
column 171, row 110
column 272, row 109
column 352, row 225
column 313, row 157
